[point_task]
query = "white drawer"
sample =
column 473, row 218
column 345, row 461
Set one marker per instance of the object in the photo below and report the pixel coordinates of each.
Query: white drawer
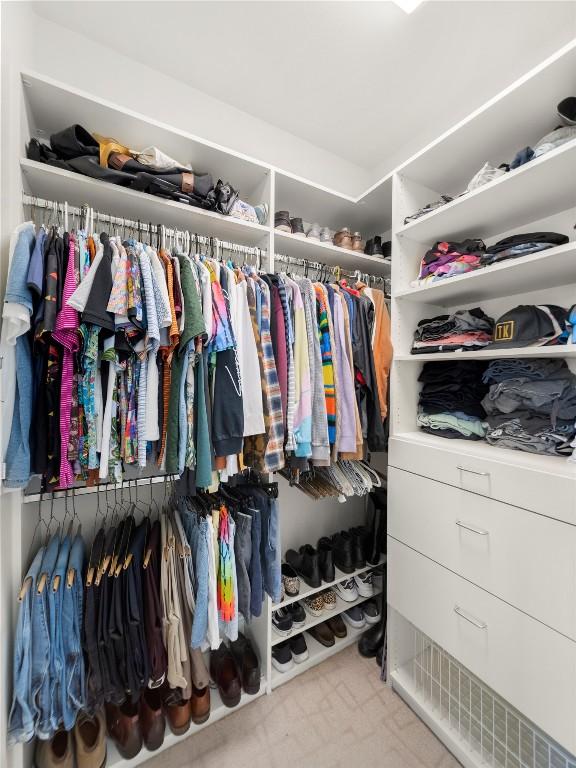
column 524, row 558
column 531, row 666
column 544, row 484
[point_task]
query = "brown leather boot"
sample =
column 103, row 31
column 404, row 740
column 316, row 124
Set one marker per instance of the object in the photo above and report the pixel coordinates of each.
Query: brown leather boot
column 179, row 715
column 90, row 738
column 152, row 720
column 123, row 726
column 56, row 752
column 200, row 703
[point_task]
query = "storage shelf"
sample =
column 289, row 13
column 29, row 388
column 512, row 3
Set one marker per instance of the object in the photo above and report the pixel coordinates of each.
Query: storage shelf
column 555, row 465
column 56, row 184
column 317, row 653
column 546, row 269
column 562, row 351
column 313, row 250
column 217, row 711
column 531, row 192
column 312, row 621
column 340, row 576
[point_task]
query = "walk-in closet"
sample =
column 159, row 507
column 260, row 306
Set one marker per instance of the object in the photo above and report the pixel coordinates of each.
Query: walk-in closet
column 288, row 384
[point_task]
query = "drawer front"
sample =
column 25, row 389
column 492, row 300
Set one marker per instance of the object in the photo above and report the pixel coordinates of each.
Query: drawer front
column 543, row 484
column 524, row 558
column 531, row 666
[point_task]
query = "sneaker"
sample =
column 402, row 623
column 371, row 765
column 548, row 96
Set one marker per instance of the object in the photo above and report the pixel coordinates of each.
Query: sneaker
column 299, row 648
column 298, row 614
column 261, row 212
column 337, row 626
column 282, row 657
column 347, row 590
column 329, row 599
column 282, row 221
column 325, row 236
column 314, row 232
column 297, row 227
column 314, row 605
column 364, row 584
column 371, row 612
column 282, row 622
column 354, row 617
column 290, row 580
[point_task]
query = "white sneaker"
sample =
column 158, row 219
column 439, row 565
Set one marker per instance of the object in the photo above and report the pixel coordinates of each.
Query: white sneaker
column 364, row 584
column 347, row 590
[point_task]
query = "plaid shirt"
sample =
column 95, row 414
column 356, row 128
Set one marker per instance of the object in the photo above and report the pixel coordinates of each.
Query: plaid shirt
column 274, row 454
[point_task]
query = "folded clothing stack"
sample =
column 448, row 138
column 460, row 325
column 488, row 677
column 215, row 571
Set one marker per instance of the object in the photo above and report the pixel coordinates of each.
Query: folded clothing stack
column 531, row 405
column 521, row 245
column 448, row 258
column 450, row 399
column 467, row 329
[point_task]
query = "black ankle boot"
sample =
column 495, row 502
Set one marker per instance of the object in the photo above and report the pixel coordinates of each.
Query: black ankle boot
column 373, row 639
column 326, row 559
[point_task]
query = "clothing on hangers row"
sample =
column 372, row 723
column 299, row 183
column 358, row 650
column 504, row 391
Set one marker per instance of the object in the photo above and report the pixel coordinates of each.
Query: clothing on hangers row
column 131, row 353
column 138, row 608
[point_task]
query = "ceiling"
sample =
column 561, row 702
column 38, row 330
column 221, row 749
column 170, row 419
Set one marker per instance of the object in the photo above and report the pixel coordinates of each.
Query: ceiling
column 362, row 80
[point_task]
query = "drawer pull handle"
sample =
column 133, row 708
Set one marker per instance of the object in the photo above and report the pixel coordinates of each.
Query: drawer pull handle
column 472, row 471
column 479, row 531
column 469, row 618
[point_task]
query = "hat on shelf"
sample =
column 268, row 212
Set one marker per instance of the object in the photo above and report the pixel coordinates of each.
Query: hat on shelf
column 567, row 110
column 528, row 325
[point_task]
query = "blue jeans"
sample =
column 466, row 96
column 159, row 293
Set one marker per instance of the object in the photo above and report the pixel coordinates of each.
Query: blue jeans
column 22, row 716
column 199, row 546
column 243, row 554
column 270, row 547
column 72, row 687
column 41, row 644
column 256, row 587
column 57, row 658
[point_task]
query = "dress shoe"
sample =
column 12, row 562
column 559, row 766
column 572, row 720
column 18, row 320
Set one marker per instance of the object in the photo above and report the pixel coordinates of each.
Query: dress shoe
column 200, row 703
column 326, row 559
column 323, row 634
column 306, row 564
column 224, row 673
column 297, row 226
column 123, row 726
column 369, row 247
column 247, row 663
column 90, row 738
column 55, row 752
column 342, row 552
column 152, row 719
column 336, row 624
column 372, row 639
column 179, row 714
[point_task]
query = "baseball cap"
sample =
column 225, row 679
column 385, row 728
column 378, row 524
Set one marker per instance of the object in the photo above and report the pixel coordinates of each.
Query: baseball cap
column 567, row 110
column 528, row 325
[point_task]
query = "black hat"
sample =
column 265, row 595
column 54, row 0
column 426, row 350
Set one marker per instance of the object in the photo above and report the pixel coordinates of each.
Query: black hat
column 528, row 325
column 567, row 110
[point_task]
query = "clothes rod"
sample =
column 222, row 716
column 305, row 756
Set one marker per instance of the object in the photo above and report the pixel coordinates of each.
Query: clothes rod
column 102, row 487
column 137, row 226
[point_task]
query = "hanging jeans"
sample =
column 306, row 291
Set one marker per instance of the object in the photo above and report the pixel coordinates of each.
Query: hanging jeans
column 22, row 715
column 243, row 556
column 270, row 548
column 57, row 658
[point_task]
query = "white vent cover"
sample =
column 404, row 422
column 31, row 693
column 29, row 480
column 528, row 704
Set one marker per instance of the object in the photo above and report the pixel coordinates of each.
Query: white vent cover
column 491, row 728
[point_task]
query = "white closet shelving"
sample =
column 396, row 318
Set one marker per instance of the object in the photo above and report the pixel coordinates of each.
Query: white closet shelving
column 469, row 522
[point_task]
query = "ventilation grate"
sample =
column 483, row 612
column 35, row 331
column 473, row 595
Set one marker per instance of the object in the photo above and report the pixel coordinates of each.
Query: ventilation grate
column 496, row 732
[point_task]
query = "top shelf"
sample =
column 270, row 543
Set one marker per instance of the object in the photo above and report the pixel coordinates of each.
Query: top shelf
column 538, row 189
column 304, row 248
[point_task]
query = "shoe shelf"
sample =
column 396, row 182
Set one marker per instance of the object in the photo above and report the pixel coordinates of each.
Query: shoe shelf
column 316, row 654
column 340, row 576
column 311, row 621
column 531, row 192
column 314, row 250
column 562, row 351
column 547, row 269
column 51, row 183
column 217, row 711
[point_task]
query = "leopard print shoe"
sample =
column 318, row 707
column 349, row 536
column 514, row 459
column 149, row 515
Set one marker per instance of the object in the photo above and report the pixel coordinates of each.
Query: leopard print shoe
column 314, row 605
column 329, row 599
column 290, row 580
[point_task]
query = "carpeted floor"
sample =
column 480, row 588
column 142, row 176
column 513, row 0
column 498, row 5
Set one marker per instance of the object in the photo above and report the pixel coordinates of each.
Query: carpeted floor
column 337, row 715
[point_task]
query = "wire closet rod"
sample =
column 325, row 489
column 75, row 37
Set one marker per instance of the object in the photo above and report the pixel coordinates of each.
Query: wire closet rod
column 137, row 226
column 82, row 490
column 333, row 269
